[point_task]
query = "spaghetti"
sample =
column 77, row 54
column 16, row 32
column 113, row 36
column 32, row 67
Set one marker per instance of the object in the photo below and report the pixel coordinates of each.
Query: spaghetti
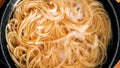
column 58, row 34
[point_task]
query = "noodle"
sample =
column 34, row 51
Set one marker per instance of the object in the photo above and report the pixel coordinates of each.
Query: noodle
column 58, row 34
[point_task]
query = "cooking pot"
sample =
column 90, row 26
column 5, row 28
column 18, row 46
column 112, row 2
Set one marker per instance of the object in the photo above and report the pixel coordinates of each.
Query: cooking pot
column 112, row 47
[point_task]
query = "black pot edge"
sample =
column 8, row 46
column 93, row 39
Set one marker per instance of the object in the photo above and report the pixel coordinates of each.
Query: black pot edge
column 118, row 27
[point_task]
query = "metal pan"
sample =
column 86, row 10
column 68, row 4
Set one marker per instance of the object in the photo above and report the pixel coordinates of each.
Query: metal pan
column 112, row 48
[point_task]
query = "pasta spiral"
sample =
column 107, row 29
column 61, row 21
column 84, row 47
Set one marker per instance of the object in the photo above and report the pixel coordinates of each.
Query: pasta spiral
column 58, row 34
